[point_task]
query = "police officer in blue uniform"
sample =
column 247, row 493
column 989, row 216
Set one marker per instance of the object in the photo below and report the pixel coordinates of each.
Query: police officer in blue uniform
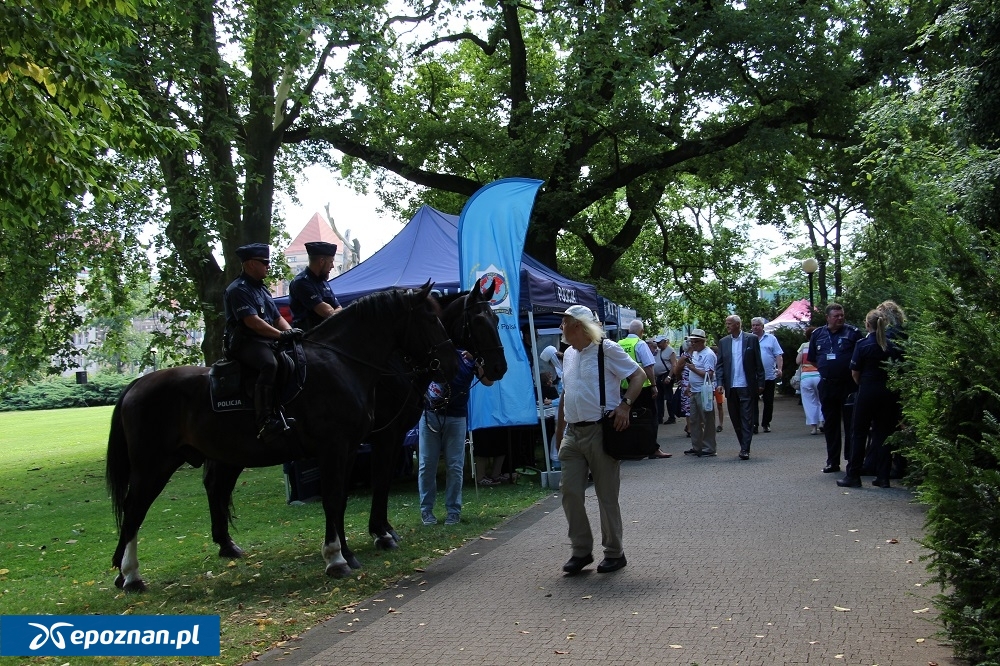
column 830, row 350
column 309, row 295
column 253, row 323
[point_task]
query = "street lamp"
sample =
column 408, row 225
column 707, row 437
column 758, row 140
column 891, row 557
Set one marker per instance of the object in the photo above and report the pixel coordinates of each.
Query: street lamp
column 152, row 353
column 810, row 266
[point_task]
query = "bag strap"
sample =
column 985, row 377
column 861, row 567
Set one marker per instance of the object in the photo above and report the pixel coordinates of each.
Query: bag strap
column 600, row 374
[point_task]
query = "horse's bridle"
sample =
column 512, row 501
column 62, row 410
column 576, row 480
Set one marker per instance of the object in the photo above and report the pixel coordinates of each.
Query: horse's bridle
column 467, row 332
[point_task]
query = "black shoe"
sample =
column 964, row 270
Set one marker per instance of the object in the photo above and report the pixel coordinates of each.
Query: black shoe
column 670, row 420
column 881, row 483
column 829, row 469
column 575, row 564
column 609, row 564
column 767, row 428
column 705, row 454
column 849, row 482
column 744, row 455
column 755, row 430
column 691, row 452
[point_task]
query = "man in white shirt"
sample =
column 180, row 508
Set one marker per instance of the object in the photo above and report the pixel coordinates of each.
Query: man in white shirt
column 771, row 355
column 581, row 442
column 700, row 363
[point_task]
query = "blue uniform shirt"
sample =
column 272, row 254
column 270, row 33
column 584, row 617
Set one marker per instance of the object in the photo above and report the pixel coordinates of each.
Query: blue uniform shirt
column 246, row 296
column 831, row 353
column 305, row 292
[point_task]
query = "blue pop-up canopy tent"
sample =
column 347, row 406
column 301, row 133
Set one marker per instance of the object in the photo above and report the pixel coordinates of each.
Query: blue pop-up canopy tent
column 427, row 248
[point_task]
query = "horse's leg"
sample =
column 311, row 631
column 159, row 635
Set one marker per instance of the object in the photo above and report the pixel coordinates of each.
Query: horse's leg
column 334, row 503
column 384, row 454
column 220, row 480
column 143, row 490
column 346, row 552
column 128, row 577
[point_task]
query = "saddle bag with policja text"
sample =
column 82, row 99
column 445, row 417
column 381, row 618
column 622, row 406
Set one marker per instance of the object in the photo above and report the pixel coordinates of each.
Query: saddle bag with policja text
column 638, row 440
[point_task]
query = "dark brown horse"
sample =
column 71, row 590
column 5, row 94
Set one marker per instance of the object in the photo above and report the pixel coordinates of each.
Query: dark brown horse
column 397, row 405
column 165, row 419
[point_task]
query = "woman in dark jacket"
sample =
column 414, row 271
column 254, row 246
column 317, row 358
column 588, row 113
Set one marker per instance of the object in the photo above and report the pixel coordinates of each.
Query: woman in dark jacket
column 876, row 407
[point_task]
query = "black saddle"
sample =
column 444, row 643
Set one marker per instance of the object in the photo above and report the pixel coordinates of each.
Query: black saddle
column 231, row 386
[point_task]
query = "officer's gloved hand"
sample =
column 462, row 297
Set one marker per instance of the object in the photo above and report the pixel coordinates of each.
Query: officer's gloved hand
column 291, row 334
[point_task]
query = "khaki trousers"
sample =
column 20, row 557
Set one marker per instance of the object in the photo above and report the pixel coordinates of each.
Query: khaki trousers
column 582, row 451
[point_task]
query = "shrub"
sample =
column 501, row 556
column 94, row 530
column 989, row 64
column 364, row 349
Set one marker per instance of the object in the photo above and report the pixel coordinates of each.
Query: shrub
column 63, row 392
column 952, row 404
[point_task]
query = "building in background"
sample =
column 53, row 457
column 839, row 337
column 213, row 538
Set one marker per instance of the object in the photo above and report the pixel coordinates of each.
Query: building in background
column 320, row 228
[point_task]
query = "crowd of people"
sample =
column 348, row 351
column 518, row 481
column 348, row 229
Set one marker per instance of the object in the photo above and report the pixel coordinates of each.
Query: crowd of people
column 842, row 378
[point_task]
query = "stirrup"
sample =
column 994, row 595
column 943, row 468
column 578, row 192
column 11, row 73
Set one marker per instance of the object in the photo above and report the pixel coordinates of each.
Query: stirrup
column 286, row 423
column 270, row 428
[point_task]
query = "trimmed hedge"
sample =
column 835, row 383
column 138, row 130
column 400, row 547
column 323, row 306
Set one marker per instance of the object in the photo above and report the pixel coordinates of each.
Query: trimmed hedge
column 63, row 392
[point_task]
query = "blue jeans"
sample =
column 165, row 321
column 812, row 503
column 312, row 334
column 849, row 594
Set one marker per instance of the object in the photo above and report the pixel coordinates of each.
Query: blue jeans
column 441, row 435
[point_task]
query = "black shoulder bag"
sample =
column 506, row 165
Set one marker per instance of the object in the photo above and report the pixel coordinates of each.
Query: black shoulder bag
column 638, row 440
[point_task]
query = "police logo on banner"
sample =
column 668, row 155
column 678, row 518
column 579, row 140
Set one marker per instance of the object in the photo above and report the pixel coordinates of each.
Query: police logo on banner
column 501, row 292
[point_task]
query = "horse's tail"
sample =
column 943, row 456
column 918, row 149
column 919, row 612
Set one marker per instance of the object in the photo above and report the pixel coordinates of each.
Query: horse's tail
column 117, row 467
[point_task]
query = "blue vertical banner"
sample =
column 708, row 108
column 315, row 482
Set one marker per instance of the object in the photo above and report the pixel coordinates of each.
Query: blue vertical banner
column 491, row 232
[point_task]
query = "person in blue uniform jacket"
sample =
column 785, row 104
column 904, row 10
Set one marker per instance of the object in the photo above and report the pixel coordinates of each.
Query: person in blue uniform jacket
column 252, row 324
column 830, row 351
column 309, row 295
column 876, row 407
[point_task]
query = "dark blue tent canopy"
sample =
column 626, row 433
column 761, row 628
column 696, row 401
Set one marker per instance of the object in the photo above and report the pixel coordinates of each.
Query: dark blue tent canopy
column 427, row 248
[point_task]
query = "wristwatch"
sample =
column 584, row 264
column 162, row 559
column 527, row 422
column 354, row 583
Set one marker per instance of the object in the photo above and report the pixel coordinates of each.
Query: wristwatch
column 627, row 401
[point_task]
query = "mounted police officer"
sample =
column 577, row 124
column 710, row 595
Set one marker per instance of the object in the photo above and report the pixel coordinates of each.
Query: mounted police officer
column 309, row 294
column 253, row 323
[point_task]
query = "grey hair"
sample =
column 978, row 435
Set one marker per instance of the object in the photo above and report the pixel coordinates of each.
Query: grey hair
column 736, row 318
column 758, row 320
column 593, row 329
column 635, row 326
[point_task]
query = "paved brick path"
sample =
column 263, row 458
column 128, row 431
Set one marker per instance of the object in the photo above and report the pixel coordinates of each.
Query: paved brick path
column 730, row 562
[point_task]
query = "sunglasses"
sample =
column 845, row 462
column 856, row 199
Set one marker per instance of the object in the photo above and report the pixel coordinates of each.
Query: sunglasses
column 263, row 261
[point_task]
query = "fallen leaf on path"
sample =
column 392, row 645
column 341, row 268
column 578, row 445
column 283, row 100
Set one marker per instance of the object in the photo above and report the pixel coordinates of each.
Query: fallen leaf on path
column 588, row 596
column 676, row 647
column 922, row 610
column 892, row 540
column 841, row 608
column 562, row 652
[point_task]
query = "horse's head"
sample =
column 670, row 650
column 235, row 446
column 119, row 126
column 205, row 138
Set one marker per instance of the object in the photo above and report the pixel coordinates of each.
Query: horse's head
column 479, row 331
column 424, row 339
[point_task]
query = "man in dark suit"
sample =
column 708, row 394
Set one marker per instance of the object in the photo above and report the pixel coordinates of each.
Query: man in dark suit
column 741, row 371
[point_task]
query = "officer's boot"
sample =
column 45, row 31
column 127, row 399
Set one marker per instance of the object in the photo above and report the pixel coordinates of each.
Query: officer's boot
column 268, row 425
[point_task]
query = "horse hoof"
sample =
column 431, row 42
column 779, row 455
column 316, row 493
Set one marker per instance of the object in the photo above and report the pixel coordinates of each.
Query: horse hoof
column 230, row 550
column 338, row 571
column 385, row 542
column 135, row 586
column 395, row 536
column 119, row 581
column 353, row 562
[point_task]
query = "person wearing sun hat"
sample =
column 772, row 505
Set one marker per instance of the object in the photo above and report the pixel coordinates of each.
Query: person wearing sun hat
column 309, row 295
column 580, row 440
column 252, row 324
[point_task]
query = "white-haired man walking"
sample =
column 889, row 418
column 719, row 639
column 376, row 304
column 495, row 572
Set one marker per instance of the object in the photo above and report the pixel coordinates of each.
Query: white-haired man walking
column 581, row 442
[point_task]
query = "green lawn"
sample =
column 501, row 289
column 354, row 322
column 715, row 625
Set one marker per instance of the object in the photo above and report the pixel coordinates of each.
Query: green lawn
column 57, row 535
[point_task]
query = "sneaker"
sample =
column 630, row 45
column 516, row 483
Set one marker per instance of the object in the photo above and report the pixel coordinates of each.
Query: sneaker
column 453, row 519
column 428, row 518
